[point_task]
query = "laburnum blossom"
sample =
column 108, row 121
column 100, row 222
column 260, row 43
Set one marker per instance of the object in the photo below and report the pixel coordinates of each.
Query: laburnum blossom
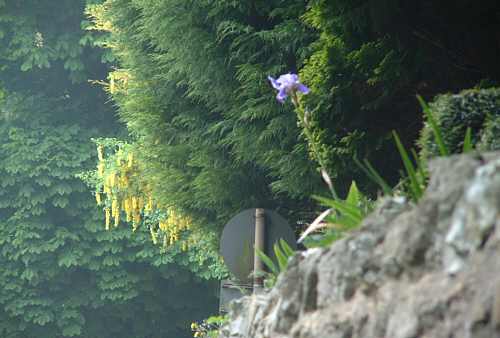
column 287, row 85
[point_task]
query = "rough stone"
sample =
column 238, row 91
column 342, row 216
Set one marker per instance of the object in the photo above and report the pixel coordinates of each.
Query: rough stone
column 411, row 271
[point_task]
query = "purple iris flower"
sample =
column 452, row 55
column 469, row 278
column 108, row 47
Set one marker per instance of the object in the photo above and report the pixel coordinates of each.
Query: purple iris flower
column 287, row 84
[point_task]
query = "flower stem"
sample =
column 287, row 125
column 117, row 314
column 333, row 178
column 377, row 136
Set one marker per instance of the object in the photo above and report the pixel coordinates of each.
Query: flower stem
column 303, row 115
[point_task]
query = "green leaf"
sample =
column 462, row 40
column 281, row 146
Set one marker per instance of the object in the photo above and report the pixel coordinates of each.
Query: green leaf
column 443, row 150
column 72, row 330
column 351, row 212
column 421, row 170
column 415, row 189
column 353, row 197
column 289, row 252
column 280, row 257
column 323, row 240
column 26, row 65
column 372, row 174
column 468, row 146
column 267, row 261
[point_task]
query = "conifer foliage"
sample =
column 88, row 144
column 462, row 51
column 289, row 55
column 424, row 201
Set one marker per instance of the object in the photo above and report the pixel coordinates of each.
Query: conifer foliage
column 372, row 57
column 192, row 88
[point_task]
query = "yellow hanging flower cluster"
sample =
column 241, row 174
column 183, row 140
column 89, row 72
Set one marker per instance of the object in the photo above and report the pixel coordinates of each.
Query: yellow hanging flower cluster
column 116, row 188
column 108, row 217
column 172, row 226
column 123, row 191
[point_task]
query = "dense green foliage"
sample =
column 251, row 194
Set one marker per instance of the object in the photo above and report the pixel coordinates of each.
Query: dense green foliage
column 62, row 274
column 188, row 79
column 191, row 87
column 199, row 105
column 477, row 109
column 373, row 56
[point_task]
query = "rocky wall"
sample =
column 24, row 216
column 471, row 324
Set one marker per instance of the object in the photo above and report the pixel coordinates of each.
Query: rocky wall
column 411, row 271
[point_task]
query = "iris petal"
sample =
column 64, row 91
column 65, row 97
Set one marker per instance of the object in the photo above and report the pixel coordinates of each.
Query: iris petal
column 281, row 95
column 274, row 83
column 287, row 84
column 303, row 88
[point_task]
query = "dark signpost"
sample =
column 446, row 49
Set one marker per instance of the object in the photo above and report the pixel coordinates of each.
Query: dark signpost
column 250, row 229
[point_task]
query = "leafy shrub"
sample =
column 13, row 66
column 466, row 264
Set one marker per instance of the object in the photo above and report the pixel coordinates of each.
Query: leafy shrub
column 341, row 217
column 283, row 252
column 476, row 109
column 208, row 328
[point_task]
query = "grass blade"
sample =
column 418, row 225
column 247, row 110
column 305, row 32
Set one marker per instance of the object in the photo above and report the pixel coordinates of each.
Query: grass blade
column 280, row 256
column 386, row 188
column 346, row 209
column 443, row 150
column 372, row 173
column 409, row 167
column 267, row 261
column 421, row 170
column 467, row 141
column 289, row 252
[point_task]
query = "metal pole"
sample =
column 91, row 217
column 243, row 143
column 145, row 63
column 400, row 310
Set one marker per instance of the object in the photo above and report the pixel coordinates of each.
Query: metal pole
column 258, row 265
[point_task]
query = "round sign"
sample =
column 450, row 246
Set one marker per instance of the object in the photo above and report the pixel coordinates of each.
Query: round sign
column 238, row 237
